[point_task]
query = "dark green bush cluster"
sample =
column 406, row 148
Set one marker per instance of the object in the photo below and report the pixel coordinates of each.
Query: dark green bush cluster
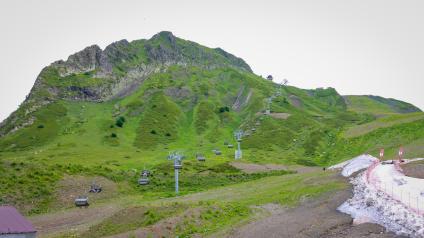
column 224, row 109
column 120, row 121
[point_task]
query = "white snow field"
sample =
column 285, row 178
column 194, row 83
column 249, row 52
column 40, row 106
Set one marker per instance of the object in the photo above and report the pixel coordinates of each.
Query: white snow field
column 383, row 194
column 354, row 165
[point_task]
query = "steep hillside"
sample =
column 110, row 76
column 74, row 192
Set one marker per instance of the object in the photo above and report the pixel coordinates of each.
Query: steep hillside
column 98, row 75
column 110, row 113
column 378, row 105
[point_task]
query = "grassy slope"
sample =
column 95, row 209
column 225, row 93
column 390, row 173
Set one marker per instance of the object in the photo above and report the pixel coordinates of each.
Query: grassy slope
column 382, row 122
column 190, row 109
column 184, row 109
column 378, row 106
column 363, row 104
column 180, row 110
column 210, row 211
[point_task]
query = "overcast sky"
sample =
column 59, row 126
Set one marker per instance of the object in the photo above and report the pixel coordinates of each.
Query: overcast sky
column 358, row 46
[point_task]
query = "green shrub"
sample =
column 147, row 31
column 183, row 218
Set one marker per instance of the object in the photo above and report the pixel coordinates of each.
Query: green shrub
column 224, row 109
column 120, row 121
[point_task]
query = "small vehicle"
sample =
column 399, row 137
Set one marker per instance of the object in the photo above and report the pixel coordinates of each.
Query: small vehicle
column 82, row 201
column 230, row 146
column 218, row 152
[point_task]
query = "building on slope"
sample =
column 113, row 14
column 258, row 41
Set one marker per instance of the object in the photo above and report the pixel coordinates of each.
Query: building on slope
column 14, row 225
column 270, row 78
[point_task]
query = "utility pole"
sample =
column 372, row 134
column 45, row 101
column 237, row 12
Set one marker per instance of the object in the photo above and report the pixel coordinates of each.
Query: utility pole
column 400, row 154
column 177, row 158
column 238, row 135
column 381, row 154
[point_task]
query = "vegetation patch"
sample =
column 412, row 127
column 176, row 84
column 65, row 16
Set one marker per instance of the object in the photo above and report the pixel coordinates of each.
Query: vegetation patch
column 45, row 128
column 159, row 123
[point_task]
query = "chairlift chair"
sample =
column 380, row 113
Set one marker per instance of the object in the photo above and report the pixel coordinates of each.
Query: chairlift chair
column 178, row 165
column 200, row 157
column 143, row 180
column 145, row 172
column 95, row 188
column 82, row 201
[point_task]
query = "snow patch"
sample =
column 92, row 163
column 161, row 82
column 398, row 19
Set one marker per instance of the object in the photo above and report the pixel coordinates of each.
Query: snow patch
column 354, row 165
column 372, row 205
column 384, row 195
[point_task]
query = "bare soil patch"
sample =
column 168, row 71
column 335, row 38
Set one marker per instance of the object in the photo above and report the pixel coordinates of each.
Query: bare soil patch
column 163, row 228
column 295, row 101
column 313, row 218
column 75, row 220
column 258, row 168
column 414, row 169
column 280, row 115
column 70, row 187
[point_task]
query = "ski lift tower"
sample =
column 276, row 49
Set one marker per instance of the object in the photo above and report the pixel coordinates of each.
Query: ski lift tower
column 238, row 135
column 177, row 157
column 268, row 106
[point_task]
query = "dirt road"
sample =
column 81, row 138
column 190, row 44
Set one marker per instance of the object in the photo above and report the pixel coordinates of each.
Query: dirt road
column 259, row 168
column 414, row 169
column 76, row 220
column 314, row 218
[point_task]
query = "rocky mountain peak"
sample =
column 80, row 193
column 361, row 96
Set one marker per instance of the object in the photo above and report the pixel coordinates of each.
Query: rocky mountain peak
column 83, row 61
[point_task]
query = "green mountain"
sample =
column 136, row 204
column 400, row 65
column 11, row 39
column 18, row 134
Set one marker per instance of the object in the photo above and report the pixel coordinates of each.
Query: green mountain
column 110, row 113
column 378, row 105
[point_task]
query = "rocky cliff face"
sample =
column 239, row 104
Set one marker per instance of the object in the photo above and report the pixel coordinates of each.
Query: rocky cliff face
column 98, row 75
column 93, row 74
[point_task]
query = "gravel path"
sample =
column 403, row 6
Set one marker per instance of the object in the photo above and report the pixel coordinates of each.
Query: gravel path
column 414, row 169
column 258, row 168
column 314, row 218
column 76, row 220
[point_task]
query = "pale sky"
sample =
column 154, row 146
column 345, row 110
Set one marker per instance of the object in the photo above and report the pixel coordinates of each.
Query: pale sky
column 356, row 46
